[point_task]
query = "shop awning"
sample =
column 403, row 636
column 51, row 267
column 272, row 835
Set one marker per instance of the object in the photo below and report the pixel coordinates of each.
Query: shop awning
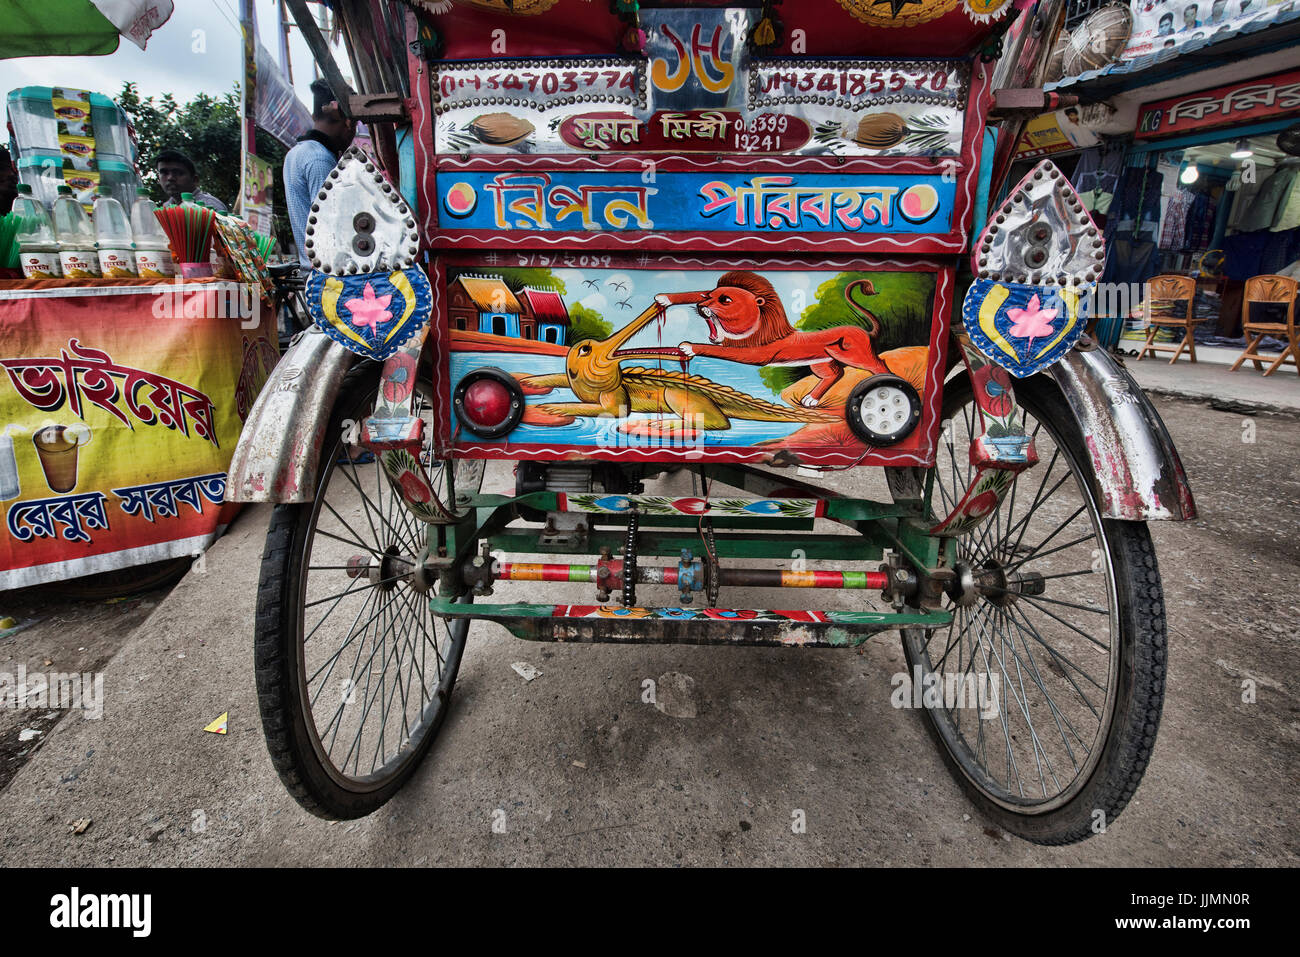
column 77, row 27
column 1218, row 49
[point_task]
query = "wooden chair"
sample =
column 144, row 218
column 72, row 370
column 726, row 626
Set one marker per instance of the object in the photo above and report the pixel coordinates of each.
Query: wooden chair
column 1169, row 304
column 1261, row 289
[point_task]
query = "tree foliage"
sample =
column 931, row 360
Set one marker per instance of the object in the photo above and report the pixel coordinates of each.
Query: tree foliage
column 535, row 276
column 206, row 129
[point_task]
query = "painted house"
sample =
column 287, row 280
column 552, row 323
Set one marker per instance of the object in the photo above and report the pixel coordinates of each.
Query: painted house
column 484, row 304
column 544, row 317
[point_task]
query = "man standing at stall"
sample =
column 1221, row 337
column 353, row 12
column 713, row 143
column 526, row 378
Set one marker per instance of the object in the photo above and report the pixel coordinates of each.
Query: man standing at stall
column 8, row 182
column 307, row 165
column 177, row 175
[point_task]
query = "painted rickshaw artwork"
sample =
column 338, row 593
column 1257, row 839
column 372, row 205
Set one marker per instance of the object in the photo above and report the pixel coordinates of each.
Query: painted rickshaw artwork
column 764, row 251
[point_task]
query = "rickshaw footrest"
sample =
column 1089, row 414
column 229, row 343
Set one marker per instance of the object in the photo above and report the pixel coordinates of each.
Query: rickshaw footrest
column 697, row 626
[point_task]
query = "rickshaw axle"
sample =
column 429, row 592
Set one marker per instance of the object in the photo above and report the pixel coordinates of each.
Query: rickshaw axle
column 610, row 575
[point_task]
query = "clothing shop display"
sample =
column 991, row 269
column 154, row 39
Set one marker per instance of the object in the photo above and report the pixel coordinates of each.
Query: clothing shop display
column 1273, row 197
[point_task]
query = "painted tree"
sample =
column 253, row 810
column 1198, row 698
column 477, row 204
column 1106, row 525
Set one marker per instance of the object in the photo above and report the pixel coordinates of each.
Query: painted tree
column 587, row 323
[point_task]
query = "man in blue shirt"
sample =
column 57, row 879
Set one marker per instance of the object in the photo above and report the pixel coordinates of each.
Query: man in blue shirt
column 309, row 162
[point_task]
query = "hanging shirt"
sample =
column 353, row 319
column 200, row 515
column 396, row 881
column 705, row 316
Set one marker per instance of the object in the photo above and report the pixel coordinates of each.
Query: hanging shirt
column 1096, row 177
column 1288, row 211
column 1244, row 199
column 1172, row 233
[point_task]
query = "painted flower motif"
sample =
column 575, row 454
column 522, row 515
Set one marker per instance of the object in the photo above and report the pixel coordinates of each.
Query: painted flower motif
column 398, row 384
column 993, row 383
column 982, row 504
column 692, row 506
column 731, row 614
column 1032, row 322
column 679, row 613
column 763, row 508
column 614, row 503
column 413, row 488
column 370, row 311
column 623, row 612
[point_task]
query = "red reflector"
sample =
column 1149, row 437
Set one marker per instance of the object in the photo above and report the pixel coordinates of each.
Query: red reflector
column 487, row 403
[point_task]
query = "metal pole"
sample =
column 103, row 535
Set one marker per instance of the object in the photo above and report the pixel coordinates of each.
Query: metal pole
column 248, row 96
column 320, row 52
column 282, row 16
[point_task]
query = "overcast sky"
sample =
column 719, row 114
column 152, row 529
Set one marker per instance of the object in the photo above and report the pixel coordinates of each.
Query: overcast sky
column 169, row 64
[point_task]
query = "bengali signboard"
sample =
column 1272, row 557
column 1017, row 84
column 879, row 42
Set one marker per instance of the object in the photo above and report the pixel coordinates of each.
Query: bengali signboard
column 588, row 201
column 120, row 407
column 698, row 90
column 1231, row 104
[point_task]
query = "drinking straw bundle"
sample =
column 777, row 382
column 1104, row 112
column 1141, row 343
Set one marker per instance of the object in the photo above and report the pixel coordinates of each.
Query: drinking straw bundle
column 9, row 226
column 265, row 245
column 189, row 231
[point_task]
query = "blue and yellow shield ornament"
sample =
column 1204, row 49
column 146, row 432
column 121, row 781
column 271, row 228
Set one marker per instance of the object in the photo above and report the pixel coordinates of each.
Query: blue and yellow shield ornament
column 366, row 290
column 371, row 314
column 1022, row 328
column 1035, row 266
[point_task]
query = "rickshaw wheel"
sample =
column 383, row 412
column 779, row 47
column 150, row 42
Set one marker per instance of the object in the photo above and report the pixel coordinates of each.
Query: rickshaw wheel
column 1065, row 609
column 354, row 675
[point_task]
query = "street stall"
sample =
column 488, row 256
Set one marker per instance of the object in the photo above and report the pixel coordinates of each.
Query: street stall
column 125, row 381
column 121, row 403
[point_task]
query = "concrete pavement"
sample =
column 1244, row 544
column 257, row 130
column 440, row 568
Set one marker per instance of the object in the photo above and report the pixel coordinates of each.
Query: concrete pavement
column 1209, row 379
column 582, row 772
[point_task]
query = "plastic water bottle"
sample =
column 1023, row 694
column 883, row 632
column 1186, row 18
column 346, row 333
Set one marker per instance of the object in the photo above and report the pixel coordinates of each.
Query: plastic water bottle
column 113, row 232
column 78, row 253
column 153, row 254
column 38, row 249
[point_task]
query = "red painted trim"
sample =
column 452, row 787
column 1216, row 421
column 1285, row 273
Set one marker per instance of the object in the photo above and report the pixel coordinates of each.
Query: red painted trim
column 722, row 242
column 683, row 163
column 421, row 106
column 978, row 102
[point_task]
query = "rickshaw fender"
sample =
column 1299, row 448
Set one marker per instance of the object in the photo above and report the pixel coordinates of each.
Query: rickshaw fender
column 1135, row 466
column 278, row 454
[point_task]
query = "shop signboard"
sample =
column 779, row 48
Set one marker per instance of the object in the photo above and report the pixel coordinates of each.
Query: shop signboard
column 1056, row 132
column 1228, row 105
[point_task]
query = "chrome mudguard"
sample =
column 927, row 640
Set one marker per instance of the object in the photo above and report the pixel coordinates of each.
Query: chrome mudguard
column 278, row 453
column 1136, row 467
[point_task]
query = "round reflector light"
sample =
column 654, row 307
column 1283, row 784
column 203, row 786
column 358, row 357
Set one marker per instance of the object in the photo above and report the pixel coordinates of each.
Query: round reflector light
column 883, row 409
column 488, row 402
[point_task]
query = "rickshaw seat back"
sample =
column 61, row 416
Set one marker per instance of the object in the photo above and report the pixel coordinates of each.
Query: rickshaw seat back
column 720, row 251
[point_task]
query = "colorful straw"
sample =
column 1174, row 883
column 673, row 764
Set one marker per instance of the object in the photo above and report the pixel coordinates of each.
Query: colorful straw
column 189, row 231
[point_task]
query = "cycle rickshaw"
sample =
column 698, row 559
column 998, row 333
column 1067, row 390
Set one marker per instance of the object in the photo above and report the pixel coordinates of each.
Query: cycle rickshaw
column 609, row 241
